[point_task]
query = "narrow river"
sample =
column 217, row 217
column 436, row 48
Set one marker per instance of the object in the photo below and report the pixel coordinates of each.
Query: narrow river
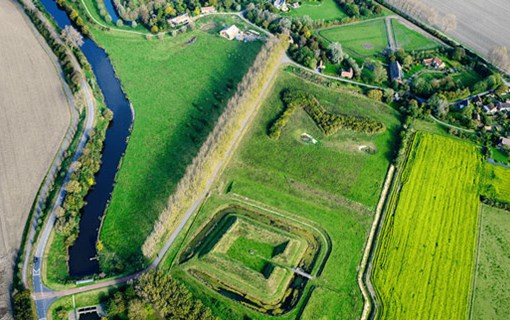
column 82, row 254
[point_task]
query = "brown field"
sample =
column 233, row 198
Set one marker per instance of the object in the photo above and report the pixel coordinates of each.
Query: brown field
column 34, row 116
column 481, row 24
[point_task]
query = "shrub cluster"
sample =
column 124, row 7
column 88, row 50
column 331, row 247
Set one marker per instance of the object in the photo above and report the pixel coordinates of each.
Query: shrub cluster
column 360, row 8
column 22, row 304
column 81, row 180
column 328, row 122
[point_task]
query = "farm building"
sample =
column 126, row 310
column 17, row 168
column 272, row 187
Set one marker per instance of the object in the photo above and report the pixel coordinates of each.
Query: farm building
column 503, row 106
column 230, row 32
column 348, row 74
column 179, row 20
column 435, row 63
column 396, row 72
column 207, row 10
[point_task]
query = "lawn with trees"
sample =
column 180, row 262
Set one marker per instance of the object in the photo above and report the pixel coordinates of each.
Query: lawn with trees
column 333, row 185
column 319, row 10
column 425, row 254
column 360, row 40
column 178, row 87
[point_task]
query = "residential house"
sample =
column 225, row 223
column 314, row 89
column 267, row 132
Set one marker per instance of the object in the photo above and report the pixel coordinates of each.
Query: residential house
column 490, row 109
column 207, row 10
column 435, row 63
column 281, row 5
column 179, row 20
column 396, row 73
column 503, row 106
column 504, row 142
column 320, row 66
column 231, row 32
column 348, row 74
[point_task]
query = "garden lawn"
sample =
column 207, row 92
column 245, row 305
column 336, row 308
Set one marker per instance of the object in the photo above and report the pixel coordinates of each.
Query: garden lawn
column 410, row 39
column 325, row 9
column 425, row 255
column 333, row 185
column 492, row 291
column 362, row 40
column 178, row 90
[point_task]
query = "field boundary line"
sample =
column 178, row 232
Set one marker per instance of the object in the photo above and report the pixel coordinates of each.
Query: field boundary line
column 366, row 287
column 477, row 261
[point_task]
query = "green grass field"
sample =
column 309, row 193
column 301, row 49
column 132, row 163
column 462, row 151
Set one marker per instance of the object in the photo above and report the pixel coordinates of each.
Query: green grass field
column 334, row 185
column 257, row 261
column 325, row 9
column 492, row 294
column 497, row 182
column 178, row 90
column 425, row 255
column 410, row 39
column 361, row 40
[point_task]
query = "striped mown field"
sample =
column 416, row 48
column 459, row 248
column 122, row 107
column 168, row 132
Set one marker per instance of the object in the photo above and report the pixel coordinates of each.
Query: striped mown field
column 425, row 257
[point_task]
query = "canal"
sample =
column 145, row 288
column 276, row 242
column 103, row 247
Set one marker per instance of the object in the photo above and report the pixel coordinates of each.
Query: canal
column 82, row 254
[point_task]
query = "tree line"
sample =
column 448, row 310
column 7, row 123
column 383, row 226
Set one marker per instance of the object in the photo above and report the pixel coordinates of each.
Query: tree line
column 329, row 123
column 214, row 149
column 81, row 180
column 72, row 75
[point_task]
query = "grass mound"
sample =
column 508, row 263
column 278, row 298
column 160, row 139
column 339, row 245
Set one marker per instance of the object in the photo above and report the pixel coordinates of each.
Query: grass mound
column 245, row 255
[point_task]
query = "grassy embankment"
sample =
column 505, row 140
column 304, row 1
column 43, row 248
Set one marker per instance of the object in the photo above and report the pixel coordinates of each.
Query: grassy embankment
column 178, row 87
column 491, row 292
column 425, row 256
column 334, row 184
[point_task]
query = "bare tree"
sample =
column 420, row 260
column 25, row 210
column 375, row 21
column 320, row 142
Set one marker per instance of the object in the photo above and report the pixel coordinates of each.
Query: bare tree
column 72, row 37
column 499, row 56
column 449, row 22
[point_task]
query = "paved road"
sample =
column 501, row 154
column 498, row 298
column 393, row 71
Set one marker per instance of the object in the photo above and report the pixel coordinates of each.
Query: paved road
column 450, row 125
column 364, row 273
column 39, row 287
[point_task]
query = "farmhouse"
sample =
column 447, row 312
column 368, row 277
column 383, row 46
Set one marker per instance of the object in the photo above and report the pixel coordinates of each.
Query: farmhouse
column 231, row 32
column 396, row 73
column 348, row 74
column 207, row 10
column 435, row 63
column 179, row 20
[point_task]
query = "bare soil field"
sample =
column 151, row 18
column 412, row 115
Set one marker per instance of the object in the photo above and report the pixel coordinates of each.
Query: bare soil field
column 481, row 25
column 34, row 116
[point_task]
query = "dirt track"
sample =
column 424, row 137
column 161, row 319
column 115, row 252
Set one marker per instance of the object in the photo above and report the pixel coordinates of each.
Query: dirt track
column 34, row 116
column 481, row 25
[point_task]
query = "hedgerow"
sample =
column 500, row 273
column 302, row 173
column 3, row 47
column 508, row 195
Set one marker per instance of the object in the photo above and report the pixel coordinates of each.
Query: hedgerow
column 329, row 123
